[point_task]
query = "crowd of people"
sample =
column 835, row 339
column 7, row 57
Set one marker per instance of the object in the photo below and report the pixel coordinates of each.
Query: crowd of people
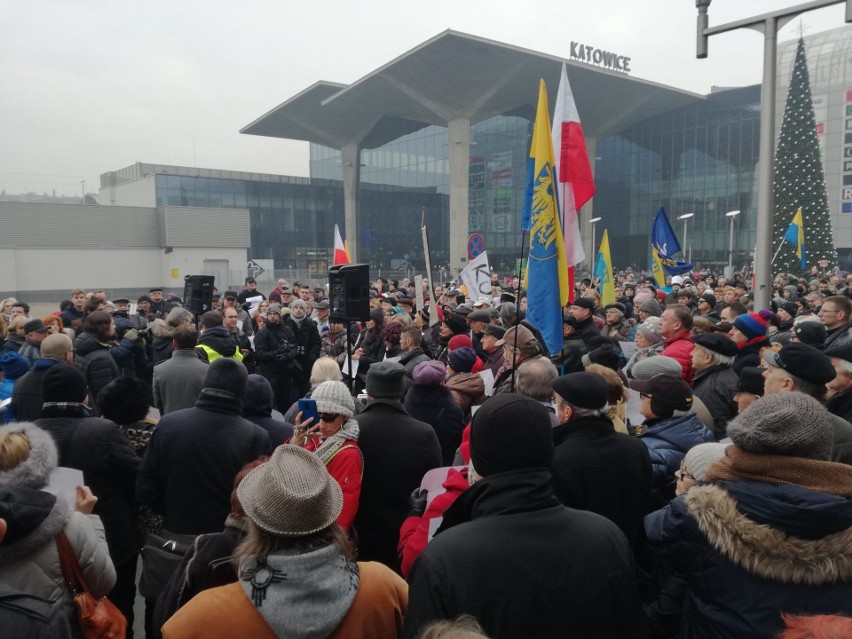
column 682, row 467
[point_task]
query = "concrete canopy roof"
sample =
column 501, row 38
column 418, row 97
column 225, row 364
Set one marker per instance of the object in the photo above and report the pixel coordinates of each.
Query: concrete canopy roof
column 455, row 75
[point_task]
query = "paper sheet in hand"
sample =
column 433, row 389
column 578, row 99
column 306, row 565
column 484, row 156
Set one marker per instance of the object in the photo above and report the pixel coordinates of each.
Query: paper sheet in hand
column 488, row 377
column 63, row 483
column 254, row 301
column 634, row 402
column 628, row 348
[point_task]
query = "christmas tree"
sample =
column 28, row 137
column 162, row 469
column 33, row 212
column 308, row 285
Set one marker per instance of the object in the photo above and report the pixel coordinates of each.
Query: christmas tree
column 799, row 178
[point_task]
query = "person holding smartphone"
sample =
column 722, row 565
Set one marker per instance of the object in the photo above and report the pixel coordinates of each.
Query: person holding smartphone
column 333, row 436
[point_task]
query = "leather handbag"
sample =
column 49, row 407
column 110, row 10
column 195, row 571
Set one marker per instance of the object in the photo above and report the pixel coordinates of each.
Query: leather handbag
column 161, row 556
column 98, row 618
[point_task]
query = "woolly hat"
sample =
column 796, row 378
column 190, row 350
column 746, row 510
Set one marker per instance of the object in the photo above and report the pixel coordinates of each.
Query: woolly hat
column 790, row 308
column 291, row 495
column 584, row 390
column 510, row 432
column 787, row 423
column 699, row 458
column 300, row 303
column 334, row 398
column 456, row 323
column 656, row 365
column 650, row 329
column 651, row 306
column 810, row 332
column 226, row 375
column 431, row 373
column 751, row 381
column 274, row 308
column 751, row 325
column 459, row 341
column 462, row 360
column 605, row 355
column 385, row 379
column 63, row 383
column 35, row 470
column 677, row 279
column 14, row 365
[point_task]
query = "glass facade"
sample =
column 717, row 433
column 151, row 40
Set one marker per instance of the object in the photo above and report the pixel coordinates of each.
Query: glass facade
column 701, row 159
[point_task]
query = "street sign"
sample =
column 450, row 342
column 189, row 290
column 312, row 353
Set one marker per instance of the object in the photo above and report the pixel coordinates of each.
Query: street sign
column 475, row 245
column 254, row 269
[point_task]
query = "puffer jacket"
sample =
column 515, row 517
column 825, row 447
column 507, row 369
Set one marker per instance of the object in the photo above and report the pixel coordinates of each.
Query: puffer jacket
column 667, row 441
column 29, row 558
column 94, row 359
column 680, row 347
column 751, row 550
column 467, row 389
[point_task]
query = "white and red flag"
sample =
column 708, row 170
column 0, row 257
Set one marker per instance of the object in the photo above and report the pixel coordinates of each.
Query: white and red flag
column 575, row 184
column 341, row 254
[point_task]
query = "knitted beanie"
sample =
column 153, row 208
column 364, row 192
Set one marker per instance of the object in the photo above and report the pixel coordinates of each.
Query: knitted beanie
column 699, row 458
column 786, row 423
column 651, row 330
column 226, row 375
column 291, row 495
column 14, row 365
column 462, row 360
column 431, row 373
column 459, row 341
column 63, row 383
column 274, row 308
column 456, row 323
column 510, row 432
column 651, row 306
column 334, row 398
column 34, row 471
column 751, row 325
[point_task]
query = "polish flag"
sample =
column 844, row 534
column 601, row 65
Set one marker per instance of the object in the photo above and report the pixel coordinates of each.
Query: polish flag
column 341, row 255
column 575, row 184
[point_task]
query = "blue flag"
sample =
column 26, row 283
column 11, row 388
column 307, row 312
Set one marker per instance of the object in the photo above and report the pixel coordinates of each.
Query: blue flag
column 664, row 242
column 795, row 235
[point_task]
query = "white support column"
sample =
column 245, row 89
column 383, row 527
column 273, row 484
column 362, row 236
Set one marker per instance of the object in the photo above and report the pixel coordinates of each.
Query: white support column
column 458, row 154
column 350, row 156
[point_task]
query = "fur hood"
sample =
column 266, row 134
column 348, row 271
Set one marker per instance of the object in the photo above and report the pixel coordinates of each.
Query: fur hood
column 767, row 551
column 35, row 470
column 34, row 517
column 159, row 328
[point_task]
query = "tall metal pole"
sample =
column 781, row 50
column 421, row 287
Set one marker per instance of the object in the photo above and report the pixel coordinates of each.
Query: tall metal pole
column 685, row 222
column 731, row 249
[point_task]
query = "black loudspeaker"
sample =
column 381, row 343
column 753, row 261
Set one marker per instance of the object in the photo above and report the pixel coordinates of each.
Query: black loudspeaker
column 349, row 292
column 198, row 293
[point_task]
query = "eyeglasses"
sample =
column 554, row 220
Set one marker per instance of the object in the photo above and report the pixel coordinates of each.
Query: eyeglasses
column 562, row 402
column 684, row 474
column 327, row 417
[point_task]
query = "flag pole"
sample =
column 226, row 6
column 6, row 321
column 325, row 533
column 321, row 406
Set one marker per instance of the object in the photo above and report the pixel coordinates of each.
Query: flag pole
column 518, row 305
column 772, row 261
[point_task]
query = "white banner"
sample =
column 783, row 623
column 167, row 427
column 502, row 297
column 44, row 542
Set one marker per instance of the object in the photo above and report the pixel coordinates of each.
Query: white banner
column 476, row 276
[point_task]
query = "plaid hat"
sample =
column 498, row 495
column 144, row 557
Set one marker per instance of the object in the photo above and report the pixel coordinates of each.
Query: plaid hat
column 751, row 325
column 291, row 495
column 334, row 398
column 803, row 361
column 791, row 424
column 462, row 360
column 14, row 365
column 750, row 381
column 584, row 390
column 510, row 432
column 668, row 393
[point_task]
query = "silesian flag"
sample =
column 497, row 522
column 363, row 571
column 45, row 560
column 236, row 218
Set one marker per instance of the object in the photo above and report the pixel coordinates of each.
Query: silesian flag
column 664, row 245
column 576, row 186
column 795, row 235
column 340, row 253
column 547, row 270
column 603, row 270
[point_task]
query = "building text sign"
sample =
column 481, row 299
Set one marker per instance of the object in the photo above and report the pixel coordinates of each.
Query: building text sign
column 607, row 59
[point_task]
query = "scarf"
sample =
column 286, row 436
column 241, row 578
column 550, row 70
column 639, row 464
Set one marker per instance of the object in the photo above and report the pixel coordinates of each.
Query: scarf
column 301, row 595
column 329, row 448
column 65, row 409
column 827, row 477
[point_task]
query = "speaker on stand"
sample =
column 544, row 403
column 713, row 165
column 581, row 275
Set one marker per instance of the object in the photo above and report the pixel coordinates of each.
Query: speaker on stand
column 349, row 299
column 198, row 293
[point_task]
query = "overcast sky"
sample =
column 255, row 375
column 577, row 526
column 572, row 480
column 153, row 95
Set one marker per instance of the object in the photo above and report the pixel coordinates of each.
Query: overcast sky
column 89, row 86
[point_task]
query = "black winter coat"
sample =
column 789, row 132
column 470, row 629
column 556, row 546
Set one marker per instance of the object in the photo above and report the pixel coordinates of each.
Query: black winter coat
column 257, row 408
column 94, row 359
column 308, row 337
column 109, row 464
column 524, row 565
column 267, row 349
column 435, row 406
column 27, row 396
column 608, row 473
column 398, row 450
column 188, row 470
column 716, row 387
column 767, row 548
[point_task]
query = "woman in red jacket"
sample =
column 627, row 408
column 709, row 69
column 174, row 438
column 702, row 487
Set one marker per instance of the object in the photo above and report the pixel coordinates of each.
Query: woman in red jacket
column 335, row 441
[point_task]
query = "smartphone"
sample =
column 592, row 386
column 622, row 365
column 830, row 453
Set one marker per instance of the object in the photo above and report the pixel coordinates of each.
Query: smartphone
column 308, row 407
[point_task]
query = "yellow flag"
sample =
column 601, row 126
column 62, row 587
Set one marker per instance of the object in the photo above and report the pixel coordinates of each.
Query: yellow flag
column 603, row 270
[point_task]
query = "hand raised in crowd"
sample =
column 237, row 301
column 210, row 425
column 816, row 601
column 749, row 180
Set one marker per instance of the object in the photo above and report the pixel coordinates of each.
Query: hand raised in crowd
column 303, row 430
column 86, row 501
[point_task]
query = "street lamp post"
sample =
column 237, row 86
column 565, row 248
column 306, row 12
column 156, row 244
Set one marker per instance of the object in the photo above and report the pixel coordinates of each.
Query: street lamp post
column 685, row 217
column 732, row 215
column 768, row 24
column 593, row 221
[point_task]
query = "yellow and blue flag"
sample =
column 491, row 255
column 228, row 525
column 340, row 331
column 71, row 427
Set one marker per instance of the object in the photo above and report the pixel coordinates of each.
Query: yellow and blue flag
column 547, row 269
column 664, row 246
column 795, row 235
column 603, row 270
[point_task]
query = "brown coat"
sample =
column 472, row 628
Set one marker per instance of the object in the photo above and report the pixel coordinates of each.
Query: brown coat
column 227, row 613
